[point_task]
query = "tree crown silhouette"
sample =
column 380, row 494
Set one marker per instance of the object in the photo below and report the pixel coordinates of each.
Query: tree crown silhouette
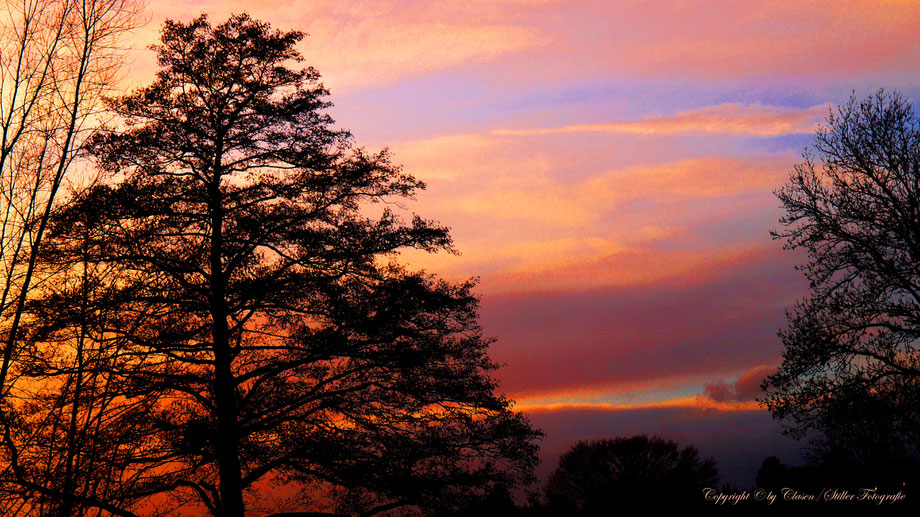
column 259, row 296
column 851, row 346
column 604, row 476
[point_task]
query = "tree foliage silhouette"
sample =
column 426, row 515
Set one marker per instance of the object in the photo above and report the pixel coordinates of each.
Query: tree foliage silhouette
column 77, row 437
column 851, row 345
column 773, row 474
column 861, row 424
column 58, row 59
column 603, row 477
column 259, row 298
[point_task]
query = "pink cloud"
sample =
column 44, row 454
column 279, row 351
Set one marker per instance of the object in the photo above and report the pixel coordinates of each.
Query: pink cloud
column 357, row 43
column 630, row 267
column 540, row 197
column 527, row 216
column 360, row 43
column 726, row 119
column 696, row 402
column 726, row 39
column 746, row 388
column 655, row 341
column 549, row 181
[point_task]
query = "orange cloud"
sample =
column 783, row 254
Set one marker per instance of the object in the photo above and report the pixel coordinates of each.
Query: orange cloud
column 627, row 268
column 489, row 177
column 654, row 393
column 727, row 119
column 539, row 197
column 360, row 42
column 695, row 402
column 644, row 391
column 534, row 265
column 520, row 223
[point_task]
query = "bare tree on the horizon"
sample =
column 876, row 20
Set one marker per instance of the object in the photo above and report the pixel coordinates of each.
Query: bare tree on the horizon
column 57, row 60
column 851, row 364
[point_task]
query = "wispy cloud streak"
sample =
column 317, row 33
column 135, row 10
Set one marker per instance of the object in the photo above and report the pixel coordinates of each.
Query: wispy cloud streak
column 724, row 119
column 695, row 402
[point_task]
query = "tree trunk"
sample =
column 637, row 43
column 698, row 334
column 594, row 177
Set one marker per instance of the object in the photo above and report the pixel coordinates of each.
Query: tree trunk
column 227, row 437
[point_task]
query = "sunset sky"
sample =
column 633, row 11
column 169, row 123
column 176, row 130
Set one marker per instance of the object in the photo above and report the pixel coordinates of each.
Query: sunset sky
column 607, row 170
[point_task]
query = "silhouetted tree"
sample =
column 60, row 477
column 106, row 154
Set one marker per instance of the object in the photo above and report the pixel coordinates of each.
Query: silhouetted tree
column 496, row 503
column 851, row 350
column 606, row 476
column 859, row 425
column 772, row 475
column 58, row 58
column 82, row 432
column 266, row 312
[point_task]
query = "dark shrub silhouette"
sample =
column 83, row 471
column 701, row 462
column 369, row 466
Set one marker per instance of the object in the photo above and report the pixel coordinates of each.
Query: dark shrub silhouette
column 773, row 474
column 605, row 476
column 497, row 503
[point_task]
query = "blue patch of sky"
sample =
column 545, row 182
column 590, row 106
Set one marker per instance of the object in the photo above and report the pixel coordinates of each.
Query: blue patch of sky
column 417, row 108
column 782, row 143
column 454, row 102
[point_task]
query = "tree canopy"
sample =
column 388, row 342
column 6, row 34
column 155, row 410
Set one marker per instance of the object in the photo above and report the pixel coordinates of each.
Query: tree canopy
column 851, row 346
column 604, row 477
column 239, row 285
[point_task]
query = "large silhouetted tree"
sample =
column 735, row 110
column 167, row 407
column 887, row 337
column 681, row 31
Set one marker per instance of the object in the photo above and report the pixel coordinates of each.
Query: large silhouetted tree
column 851, row 347
column 265, row 309
column 606, row 477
